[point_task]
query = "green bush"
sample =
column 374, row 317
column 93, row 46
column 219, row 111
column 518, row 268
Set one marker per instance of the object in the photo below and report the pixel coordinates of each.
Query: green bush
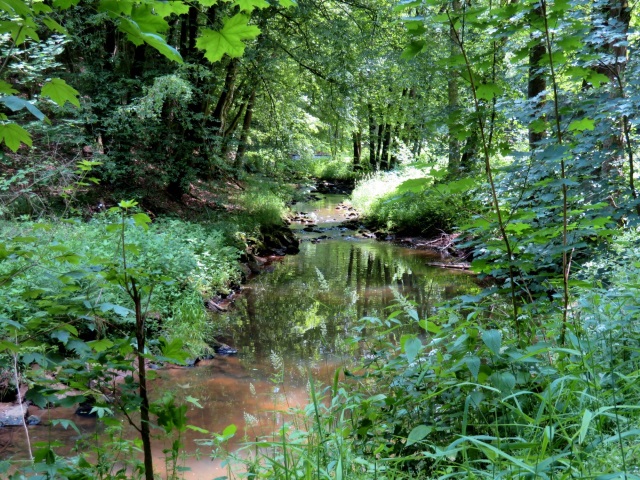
column 193, row 261
column 407, row 201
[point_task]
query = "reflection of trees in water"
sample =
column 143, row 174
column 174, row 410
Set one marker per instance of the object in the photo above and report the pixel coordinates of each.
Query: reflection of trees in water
column 292, row 312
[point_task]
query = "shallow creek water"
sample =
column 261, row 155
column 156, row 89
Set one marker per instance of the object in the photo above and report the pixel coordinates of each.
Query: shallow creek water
column 303, row 309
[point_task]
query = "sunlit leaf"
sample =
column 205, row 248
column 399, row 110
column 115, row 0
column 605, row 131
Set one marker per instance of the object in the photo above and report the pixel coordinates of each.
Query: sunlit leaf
column 6, row 88
column 581, row 125
column 58, row 90
column 250, row 5
column 487, row 91
column 12, row 135
column 229, row 40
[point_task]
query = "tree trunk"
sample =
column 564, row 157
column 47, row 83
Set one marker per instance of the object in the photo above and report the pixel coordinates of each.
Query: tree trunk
column 225, row 100
column 393, row 146
column 145, row 425
column 246, row 128
column 373, row 158
column 453, row 100
column 537, row 81
column 139, row 56
column 357, row 150
column 617, row 16
column 384, row 159
column 193, row 31
column 380, row 134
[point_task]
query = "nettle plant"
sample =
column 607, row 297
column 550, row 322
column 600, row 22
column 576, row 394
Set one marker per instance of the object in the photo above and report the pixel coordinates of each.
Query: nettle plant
column 53, row 332
column 557, row 71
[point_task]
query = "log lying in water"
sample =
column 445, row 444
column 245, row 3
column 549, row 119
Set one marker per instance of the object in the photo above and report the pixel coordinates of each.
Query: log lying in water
column 455, row 266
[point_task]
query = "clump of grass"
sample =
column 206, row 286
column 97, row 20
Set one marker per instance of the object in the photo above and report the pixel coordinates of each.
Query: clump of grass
column 330, row 168
column 406, row 201
column 190, row 322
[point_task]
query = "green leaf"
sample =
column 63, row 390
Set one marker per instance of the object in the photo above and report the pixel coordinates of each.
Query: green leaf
column 61, row 335
column 64, row 4
column 164, row 9
column 249, row 5
column 125, row 204
column 411, row 345
column 418, row 434
column 193, row 401
column 58, row 90
column 581, row 125
column 493, row 340
column 413, row 49
column 584, row 427
column 473, row 364
column 198, row 429
column 517, row 228
column 413, row 185
column 429, row 326
column 229, row 431
column 228, row 40
column 12, row 135
column 100, row 345
column 287, row 3
column 11, row 323
column 141, row 220
column 138, row 37
column 6, row 88
column 116, row 7
column 504, row 381
column 405, row 4
column 53, row 25
column 173, row 351
column 487, row 91
column 64, row 423
column 16, row 6
column 147, row 20
column 20, row 30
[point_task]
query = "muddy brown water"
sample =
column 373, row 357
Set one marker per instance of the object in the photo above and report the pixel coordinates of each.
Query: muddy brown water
column 303, row 311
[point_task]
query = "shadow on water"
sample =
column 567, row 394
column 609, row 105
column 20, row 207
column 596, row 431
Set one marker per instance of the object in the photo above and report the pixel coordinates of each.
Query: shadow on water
column 303, row 311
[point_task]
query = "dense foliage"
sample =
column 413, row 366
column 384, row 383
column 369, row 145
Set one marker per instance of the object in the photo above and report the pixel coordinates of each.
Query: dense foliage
column 512, row 122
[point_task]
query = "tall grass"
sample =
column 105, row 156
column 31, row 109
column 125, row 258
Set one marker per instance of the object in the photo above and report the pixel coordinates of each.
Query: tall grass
column 463, row 398
column 406, row 201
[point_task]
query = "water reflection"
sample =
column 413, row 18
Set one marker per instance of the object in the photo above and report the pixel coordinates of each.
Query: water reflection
column 308, row 305
column 304, row 311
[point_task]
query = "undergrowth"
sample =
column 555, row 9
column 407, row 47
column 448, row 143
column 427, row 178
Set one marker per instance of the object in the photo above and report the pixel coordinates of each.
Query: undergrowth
column 196, row 262
column 407, row 201
column 464, row 397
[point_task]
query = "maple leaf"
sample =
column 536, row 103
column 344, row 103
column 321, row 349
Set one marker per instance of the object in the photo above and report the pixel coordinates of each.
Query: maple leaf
column 229, row 40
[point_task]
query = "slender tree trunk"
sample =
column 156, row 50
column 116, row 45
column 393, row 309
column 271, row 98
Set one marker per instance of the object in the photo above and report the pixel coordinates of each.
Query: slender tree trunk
column 384, row 159
column 373, row 158
column 469, row 152
column 184, row 34
column 139, row 56
column 357, row 150
column 193, row 31
column 246, row 128
column 381, row 127
column 537, row 82
column 617, row 16
column 145, row 425
column 453, row 102
column 393, row 159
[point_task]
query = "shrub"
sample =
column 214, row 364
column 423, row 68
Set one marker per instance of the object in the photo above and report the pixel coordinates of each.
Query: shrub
column 407, row 201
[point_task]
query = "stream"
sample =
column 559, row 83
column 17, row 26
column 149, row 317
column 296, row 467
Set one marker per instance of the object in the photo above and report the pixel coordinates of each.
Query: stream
column 302, row 310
